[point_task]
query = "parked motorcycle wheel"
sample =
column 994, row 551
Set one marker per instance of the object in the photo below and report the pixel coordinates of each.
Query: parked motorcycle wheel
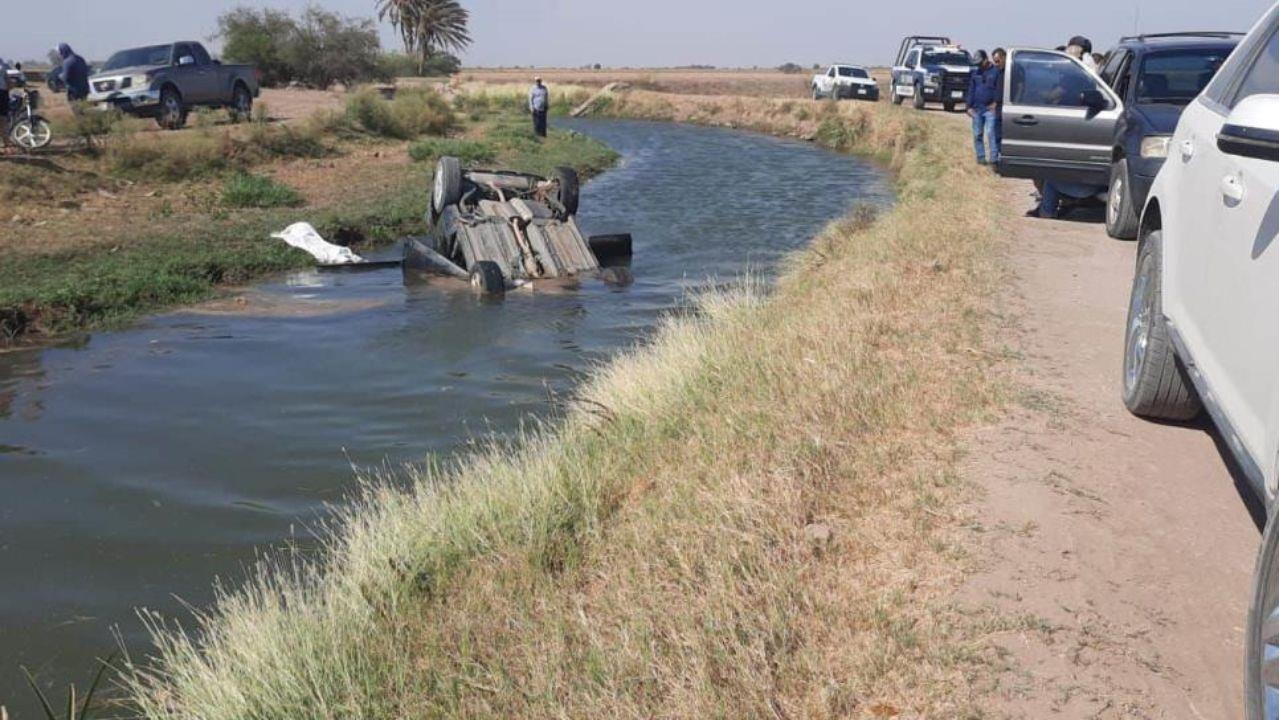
column 31, row 133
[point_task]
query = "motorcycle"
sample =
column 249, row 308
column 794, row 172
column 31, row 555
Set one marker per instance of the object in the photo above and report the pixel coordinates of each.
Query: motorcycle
column 27, row 129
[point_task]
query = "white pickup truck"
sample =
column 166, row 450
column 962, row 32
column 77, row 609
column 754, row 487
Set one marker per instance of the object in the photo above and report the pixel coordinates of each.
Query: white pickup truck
column 845, row 81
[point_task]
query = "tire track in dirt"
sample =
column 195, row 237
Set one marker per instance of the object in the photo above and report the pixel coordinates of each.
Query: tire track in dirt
column 1125, row 547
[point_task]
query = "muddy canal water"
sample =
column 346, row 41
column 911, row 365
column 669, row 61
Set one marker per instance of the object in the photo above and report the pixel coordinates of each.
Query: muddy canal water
column 137, row 466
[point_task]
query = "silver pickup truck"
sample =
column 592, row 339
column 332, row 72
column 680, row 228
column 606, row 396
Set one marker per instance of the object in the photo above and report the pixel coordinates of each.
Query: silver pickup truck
column 165, row 81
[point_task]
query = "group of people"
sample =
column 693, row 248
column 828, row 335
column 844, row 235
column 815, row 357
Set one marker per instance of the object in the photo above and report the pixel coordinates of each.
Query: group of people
column 985, row 101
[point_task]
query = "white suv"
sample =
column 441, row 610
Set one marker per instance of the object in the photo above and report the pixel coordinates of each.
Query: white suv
column 1204, row 315
column 1203, row 319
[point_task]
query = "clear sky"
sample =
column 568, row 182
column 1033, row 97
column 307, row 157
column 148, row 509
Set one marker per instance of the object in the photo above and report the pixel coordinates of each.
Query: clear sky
column 654, row 32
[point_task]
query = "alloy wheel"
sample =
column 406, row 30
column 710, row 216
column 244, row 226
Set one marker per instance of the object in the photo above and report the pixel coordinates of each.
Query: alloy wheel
column 1139, row 328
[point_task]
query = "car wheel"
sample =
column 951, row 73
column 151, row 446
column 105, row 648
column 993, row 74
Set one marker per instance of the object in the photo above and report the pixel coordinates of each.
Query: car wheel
column 567, row 190
column 241, row 104
column 486, row 278
column 949, row 107
column 1122, row 217
column 173, row 115
column 896, row 97
column 1262, row 634
column 816, row 95
column 917, row 100
column 1155, row 382
column 447, row 189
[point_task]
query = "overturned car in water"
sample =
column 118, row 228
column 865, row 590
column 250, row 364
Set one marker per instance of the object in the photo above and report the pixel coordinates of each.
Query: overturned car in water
column 500, row 230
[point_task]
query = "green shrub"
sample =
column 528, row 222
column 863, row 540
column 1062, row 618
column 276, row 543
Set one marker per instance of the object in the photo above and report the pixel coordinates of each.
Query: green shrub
column 244, row 190
column 318, row 48
column 398, row 64
column 186, row 156
column 413, row 112
column 468, row 151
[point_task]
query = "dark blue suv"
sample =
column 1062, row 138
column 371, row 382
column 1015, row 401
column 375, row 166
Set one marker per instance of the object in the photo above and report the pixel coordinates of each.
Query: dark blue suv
column 1156, row 76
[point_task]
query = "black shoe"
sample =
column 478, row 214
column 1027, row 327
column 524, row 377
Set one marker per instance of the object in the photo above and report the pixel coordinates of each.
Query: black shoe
column 1035, row 213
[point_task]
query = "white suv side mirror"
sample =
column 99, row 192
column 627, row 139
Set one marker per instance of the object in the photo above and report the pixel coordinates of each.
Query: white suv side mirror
column 1252, row 129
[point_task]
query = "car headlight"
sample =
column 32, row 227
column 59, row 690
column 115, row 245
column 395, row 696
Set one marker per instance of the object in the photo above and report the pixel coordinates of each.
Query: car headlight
column 1155, row 146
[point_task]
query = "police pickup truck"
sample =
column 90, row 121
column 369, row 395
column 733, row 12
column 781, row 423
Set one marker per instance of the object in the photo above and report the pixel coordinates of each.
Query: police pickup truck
column 931, row 69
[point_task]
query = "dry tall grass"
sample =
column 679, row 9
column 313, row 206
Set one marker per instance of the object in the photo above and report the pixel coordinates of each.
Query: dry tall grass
column 750, row 516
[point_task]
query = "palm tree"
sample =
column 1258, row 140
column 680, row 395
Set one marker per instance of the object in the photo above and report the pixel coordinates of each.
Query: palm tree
column 427, row 26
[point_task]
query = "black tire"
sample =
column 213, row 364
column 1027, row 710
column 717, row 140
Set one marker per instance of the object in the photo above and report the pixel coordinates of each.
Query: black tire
column 486, row 277
column 816, row 95
column 1155, row 382
column 567, row 190
column 173, row 113
column 949, row 107
column 1122, row 216
column 447, row 187
column 241, row 107
column 917, row 100
column 609, row 248
column 1260, row 637
column 893, row 90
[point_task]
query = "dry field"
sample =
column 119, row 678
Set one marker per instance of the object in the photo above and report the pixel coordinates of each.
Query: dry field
column 745, row 83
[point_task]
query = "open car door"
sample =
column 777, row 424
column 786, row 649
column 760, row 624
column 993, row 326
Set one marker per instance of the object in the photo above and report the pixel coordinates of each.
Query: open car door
column 1059, row 119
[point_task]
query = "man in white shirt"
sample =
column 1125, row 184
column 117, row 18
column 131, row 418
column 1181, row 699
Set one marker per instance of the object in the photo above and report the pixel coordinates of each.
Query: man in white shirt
column 1081, row 49
column 538, row 104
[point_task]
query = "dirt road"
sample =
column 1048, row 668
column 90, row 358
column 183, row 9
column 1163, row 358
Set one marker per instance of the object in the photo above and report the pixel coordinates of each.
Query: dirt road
column 1124, row 546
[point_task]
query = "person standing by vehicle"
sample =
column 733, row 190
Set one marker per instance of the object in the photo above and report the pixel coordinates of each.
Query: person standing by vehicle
column 75, row 73
column 4, row 105
column 1080, row 48
column 984, row 99
column 538, row 103
column 976, row 107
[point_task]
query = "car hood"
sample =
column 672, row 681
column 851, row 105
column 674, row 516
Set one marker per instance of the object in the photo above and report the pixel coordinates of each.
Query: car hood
column 948, row 68
column 1160, row 118
column 122, row 72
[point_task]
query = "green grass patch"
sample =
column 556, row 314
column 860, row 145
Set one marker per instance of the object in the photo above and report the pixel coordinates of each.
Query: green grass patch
column 413, row 112
column 468, row 151
column 245, row 190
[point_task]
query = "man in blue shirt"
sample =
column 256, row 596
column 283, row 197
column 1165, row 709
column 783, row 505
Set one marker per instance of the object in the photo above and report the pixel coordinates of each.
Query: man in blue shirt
column 986, row 89
column 75, row 73
column 538, row 103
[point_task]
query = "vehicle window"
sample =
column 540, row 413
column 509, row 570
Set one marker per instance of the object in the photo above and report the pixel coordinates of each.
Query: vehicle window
column 948, row 57
column 1177, row 77
column 1263, row 75
column 201, row 55
column 1124, row 78
column 1049, row 80
column 852, row 72
column 1111, row 68
column 831, row 72
column 913, row 58
column 152, row 55
column 180, row 50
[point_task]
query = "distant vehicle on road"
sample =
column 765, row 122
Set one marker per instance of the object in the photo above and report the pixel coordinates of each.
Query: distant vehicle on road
column 1155, row 77
column 930, row 69
column 845, row 81
column 166, row 81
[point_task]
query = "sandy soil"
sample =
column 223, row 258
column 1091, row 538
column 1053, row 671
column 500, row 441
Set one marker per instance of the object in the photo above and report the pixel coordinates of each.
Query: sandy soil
column 1127, row 544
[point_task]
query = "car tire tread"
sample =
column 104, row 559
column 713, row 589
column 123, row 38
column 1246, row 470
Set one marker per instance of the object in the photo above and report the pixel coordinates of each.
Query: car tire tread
column 1163, row 389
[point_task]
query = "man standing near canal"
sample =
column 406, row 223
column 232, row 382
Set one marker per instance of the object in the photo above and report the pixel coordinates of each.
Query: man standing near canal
column 538, row 102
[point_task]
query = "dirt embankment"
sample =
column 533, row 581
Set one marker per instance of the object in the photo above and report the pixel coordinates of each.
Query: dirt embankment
column 741, row 83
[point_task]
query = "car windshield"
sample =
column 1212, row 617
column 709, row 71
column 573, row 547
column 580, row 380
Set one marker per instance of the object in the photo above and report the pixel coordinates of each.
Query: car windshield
column 851, row 72
column 1178, row 76
column 949, row 57
column 153, row 55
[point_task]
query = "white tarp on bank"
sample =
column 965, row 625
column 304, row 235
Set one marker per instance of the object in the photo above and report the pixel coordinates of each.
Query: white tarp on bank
column 302, row 235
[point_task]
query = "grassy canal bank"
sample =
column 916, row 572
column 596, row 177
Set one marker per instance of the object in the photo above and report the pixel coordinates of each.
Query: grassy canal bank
column 150, row 220
column 752, row 514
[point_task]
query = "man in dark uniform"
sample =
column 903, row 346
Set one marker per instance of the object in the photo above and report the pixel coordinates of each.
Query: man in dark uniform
column 75, row 73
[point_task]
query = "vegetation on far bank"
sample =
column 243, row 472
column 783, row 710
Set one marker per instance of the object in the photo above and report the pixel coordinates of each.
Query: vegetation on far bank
column 754, row 514
column 177, row 258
